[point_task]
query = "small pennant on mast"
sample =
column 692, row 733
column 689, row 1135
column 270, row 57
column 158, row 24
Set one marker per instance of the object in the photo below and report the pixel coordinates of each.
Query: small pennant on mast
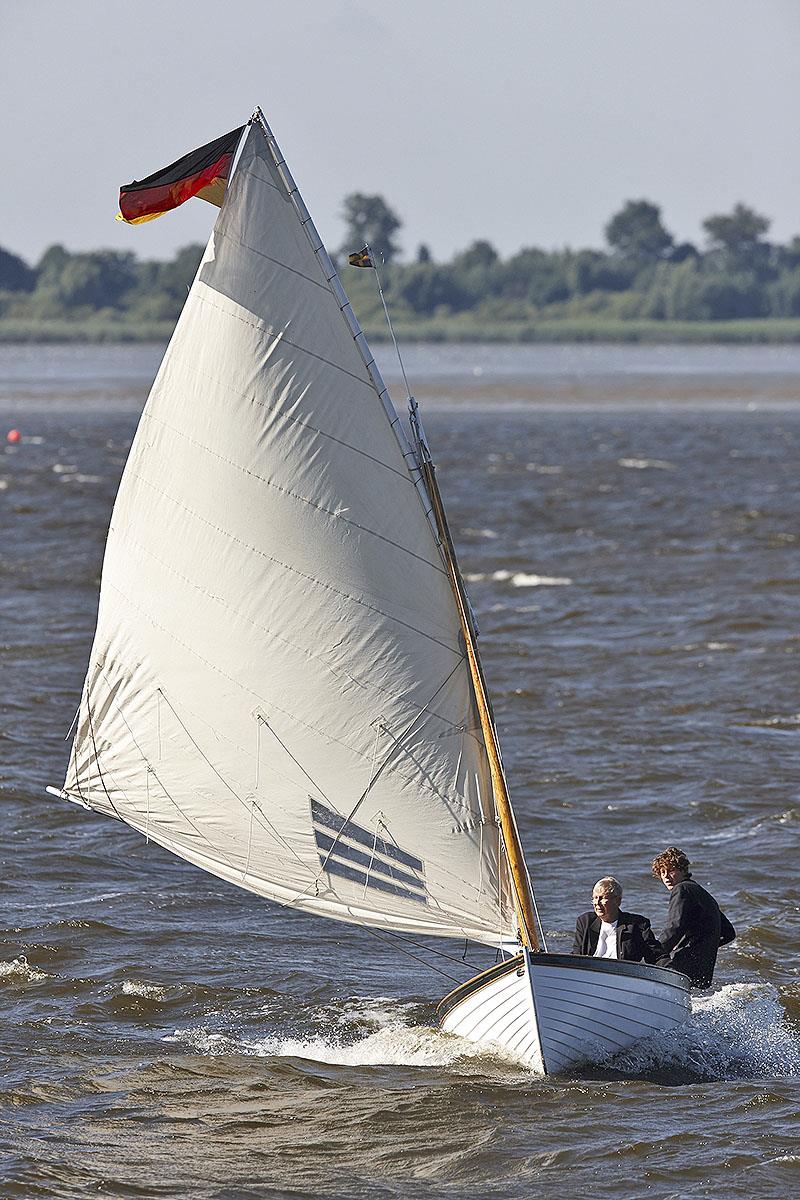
column 361, row 258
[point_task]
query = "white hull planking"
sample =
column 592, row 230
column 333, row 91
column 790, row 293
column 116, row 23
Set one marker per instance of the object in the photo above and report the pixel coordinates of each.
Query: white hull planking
column 556, row 1011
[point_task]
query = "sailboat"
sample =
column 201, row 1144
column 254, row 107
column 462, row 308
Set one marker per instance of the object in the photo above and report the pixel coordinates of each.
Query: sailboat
column 284, row 687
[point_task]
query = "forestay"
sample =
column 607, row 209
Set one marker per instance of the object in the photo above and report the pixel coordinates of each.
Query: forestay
column 277, row 689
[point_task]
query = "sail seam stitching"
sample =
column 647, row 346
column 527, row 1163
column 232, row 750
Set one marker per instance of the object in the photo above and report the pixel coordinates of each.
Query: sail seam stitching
column 221, row 383
column 231, row 789
column 339, row 676
column 287, row 492
column 321, row 255
column 152, row 770
column 213, row 666
column 294, row 570
column 295, row 345
column 266, row 825
column 277, row 261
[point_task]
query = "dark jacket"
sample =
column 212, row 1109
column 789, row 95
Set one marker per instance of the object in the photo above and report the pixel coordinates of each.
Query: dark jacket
column 694, row 932
column 636, row 941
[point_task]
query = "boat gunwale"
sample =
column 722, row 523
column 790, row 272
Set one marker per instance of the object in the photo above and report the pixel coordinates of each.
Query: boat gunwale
column 620, row 968
column 469, row 986
column 615, row 966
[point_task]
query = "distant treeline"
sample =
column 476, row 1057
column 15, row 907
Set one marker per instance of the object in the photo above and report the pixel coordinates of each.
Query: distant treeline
column 642, row 275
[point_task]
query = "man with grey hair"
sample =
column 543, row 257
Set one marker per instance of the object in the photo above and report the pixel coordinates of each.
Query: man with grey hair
column 608, row 932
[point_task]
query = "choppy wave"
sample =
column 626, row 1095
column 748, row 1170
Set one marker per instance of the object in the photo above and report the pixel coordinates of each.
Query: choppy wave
column 20, row 971
column 147, row 991
column 489, row 534
column 364, row 1032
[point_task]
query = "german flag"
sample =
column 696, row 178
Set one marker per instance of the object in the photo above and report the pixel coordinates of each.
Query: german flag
column 202, row 173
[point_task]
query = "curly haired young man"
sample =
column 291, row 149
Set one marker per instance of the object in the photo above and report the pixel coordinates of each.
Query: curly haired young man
column 696, row 928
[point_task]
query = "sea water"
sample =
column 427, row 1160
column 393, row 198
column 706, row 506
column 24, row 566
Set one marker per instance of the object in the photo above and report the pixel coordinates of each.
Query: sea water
column 627, row 519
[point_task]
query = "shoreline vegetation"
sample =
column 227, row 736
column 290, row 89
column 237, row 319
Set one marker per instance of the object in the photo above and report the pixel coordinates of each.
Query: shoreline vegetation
column 645, row 287
column 763, row 331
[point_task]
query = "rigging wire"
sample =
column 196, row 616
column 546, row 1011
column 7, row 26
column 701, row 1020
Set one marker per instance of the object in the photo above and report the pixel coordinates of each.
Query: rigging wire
column 399, row 938
column 408, row 954
column 388, row 318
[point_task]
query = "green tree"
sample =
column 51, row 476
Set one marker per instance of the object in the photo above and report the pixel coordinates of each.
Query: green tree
column 637, row 234
column 534, row 274
column 789, row 256
column 479, row 256
column 724, row 297
column 96, row 280
column 51, row 264
column 15, row 274
column 425, row 287
column 368, row 219
column 593, row 271
column 175, row 277
column 784, row 294
column 738, row 236
column 475, row 273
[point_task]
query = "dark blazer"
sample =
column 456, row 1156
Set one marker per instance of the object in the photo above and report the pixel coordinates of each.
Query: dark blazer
column 636, row 941
column 694, row 932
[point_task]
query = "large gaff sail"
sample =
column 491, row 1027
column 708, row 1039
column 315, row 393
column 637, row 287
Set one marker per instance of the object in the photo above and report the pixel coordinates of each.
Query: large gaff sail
column 278, row 691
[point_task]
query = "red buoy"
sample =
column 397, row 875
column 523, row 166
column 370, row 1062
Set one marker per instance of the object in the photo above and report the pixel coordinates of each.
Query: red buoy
column 13, row 436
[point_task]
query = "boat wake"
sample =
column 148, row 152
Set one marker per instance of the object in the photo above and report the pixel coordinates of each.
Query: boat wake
column 363, row 1034
column 738, row 1032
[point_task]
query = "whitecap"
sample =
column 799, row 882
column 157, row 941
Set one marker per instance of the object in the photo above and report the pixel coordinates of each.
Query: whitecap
column 19, row 970
column 520, row 579
column 148, row 991
column 643, row 464
column 74, row 903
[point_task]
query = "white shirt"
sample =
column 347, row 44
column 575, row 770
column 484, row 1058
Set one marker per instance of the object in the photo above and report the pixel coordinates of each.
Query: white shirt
column 607, row 941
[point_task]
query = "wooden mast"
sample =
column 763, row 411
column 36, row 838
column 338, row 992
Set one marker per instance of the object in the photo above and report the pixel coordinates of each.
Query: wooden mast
column 516, row 862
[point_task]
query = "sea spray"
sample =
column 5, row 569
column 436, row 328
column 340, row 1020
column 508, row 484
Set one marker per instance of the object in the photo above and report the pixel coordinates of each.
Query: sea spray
column 737, row 1032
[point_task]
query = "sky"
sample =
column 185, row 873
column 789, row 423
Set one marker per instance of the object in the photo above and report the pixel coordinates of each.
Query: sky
column 525, row 122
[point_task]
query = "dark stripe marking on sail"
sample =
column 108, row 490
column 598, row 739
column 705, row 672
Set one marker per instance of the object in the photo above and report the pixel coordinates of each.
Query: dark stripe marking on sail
column 334, row 867
column 356, row 833
column 370, row 861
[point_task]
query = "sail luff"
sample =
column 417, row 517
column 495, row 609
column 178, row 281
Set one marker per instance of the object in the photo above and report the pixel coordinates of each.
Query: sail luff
column 346, row 309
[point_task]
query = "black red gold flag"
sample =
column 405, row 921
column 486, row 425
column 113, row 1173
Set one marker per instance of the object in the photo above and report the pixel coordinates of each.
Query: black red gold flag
column 202, row 173
column 361, row 258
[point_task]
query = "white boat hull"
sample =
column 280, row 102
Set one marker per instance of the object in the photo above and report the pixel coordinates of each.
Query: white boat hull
column 556, row 1011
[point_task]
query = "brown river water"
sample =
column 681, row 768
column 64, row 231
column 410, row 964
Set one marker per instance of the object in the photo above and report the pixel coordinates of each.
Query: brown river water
column 628, row 519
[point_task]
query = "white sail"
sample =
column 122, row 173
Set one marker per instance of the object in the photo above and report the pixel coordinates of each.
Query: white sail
column 278, row 691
